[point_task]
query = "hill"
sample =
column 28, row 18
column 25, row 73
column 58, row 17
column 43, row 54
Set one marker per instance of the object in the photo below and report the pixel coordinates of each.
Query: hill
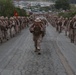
column 71, row 1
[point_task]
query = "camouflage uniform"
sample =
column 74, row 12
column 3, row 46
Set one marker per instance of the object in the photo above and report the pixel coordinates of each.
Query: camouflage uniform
column 72, row 30
column 74, row 26
column 66, row 26
column 37, row 38
column 1, row 36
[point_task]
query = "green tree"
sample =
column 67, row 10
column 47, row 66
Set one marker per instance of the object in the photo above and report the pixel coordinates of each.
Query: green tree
column 62, row 4
column 7, row 9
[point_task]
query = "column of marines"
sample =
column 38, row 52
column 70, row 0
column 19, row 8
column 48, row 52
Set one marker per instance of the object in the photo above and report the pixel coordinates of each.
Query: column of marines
column 9, row 27
column 68, row 25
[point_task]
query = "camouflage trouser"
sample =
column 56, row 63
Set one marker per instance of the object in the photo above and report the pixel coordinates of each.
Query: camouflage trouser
column 66, row 31
column 37, row 41
column 8, row 33
column 17, row 29
column 57, row 28
column 12, row 32
column 72, row 35
column 60, row 29
column 1, row 36
column 75, row 35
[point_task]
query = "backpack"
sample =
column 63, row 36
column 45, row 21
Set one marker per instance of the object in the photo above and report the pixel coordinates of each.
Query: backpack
column 71, row 24
column 37, row 30
column 60, row 23
column 74, row 26
column 65, row 23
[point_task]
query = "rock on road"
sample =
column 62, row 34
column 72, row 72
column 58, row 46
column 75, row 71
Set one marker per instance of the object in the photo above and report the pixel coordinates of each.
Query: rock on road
column 17, row 56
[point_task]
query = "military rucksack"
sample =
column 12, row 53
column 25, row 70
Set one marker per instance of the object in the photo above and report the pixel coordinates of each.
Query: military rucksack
column 37, row 30
column 71, row 24
column 74, row 26
column 60, row 23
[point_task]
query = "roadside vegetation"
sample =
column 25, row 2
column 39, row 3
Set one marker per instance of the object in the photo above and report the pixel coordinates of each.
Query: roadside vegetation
column 65, row 8
column 7, row 8
column 69, row 13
